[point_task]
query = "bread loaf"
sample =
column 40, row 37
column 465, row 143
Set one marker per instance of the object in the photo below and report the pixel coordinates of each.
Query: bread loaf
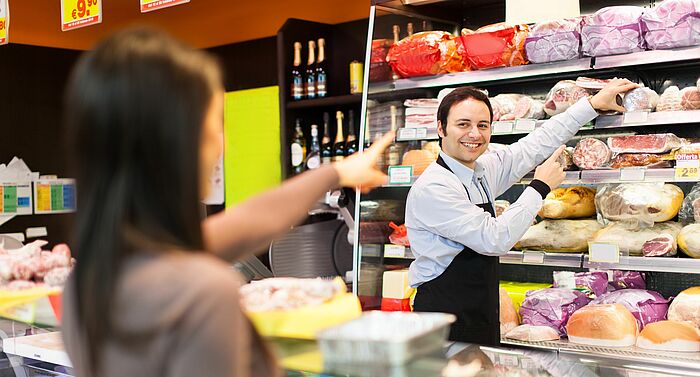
column 670, row 336
column 689, row 240
column 569, row 203
column 559, row 235
column 607, row 325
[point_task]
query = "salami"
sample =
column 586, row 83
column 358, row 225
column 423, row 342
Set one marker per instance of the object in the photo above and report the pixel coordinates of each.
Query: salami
column 591, row 153
column 690, row 98
column 654, row 143
column 592, row 84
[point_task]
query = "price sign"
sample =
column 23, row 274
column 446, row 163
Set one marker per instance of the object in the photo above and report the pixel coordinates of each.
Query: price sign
column 499, row 127
column 421, row 133
column 400, row 175
column 4, row 22
column 687, row 167
column 603, row 252
column 151, row 5
column 632, row 117
column 525, row 125
column 533, row 257
column 80, row 13
column 632, row 174
column 406, row 134
column 394, row 251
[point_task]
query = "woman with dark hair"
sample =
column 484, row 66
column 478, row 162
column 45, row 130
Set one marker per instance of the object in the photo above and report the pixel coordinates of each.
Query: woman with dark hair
column 145, row 116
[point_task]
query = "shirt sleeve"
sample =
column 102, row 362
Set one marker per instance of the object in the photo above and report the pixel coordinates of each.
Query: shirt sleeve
column 508, row 166
column 443, row 210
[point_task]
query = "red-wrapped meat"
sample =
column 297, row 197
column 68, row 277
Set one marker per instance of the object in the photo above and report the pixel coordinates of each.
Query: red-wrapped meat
column 671, row 24
column 612, row 30
column 653, row 143
column 591, row 153
column 564, row 94
column 494, row 45
column 690, row 98
column 425, row 53
column 554, row 40
column 379, row 69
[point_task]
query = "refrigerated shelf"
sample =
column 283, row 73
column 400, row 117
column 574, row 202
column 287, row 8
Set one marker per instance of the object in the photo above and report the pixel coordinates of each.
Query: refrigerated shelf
column 542, row 258
column 657, row 264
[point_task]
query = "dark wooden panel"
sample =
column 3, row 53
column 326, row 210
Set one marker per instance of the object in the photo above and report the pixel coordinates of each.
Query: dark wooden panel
column 248, row 65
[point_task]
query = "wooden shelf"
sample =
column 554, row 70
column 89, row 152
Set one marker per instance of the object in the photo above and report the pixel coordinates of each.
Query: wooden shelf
column 349, row 99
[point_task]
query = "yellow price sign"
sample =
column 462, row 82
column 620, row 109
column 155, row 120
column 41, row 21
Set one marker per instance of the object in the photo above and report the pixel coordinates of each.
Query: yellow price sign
column 686, row 173
column 3, row 31
column 80, row 13
column 4, row 21
column 151, row 5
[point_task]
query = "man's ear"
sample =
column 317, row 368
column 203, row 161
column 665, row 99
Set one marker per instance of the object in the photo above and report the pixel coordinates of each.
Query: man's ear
column 440, row 130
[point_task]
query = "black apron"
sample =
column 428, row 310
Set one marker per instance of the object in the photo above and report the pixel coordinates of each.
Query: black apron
column 468, row 288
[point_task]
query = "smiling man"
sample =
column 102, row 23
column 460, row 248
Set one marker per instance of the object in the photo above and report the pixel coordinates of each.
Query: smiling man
column 453, row 231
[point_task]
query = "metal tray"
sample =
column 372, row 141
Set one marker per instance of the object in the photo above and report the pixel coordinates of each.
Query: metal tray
column 385, row 338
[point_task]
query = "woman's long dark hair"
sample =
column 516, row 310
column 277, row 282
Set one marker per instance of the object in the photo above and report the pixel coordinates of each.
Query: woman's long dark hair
column 134, row 110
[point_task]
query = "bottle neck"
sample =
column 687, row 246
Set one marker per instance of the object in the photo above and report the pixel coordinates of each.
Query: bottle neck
column 339, row 135
column 297, row 57
column 312, row 58
column 321, row 53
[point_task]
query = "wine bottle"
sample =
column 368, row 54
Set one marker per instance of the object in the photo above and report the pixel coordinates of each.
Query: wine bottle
column 310, row 82
column 313, row 160
column 321, row 77
column 409, row 29
column 298, row 149
column 297, row 80
column 326, row 144
column 339, row 145
column 351, row 142
column 394, row 151
column 396, row 31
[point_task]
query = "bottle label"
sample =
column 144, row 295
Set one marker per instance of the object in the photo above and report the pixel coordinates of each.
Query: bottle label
column 297, row 155
column 321, row 84
column 326, row 160
column 297, row 88
column 313, row 162
column 310, row 87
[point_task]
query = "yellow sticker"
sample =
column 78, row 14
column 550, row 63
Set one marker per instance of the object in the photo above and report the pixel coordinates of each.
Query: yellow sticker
column 151, row 5
column 80, row 13
column 4, row 21
column 686, row 173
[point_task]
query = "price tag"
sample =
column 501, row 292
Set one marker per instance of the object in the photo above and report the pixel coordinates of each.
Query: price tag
column 632, row 174
column 533, row 257
column 406, row 134
column 603, row 252
column 394, row 251
column 421, row 133
column 632, row 117
column 4, row 22
column 509, row 360
column 525, row 125
column 80, row 13
column 686, row 174
column 501, row 127
column 400, row 175
column 151, row 5
column 528, row 364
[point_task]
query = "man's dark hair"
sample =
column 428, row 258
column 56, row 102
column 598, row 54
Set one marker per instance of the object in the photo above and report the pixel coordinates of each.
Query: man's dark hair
column 456, row 96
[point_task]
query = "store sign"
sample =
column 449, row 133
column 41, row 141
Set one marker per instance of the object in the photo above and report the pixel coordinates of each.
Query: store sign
column 151, row 5
column 80, row 13
column 4, row 22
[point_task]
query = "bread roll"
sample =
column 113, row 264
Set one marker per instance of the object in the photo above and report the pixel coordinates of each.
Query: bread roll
column 569, row 203
column 686, row 307
column 606, row 325
column 670, row 336
column 689, row 240
column 559, row 235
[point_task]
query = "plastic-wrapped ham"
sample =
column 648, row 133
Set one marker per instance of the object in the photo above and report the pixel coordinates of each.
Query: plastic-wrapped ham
column 670, row 100
column 591, row 153
column 613, row 30
column 494, row 45
column 632, row 239
column 640, row 99
column 646, row 306
column 551, row 307
column 559, row 235
column 671, row 24
column 686, row 307
column 529, row 108
column 425, row 53
column 564, row 94
column 653, row 143
column 690, row 98
column 554, row 41
column 639, row 203
column 504, row 105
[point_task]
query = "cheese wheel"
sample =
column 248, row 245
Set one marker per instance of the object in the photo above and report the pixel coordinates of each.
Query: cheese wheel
column 670, row 336
column 689, row 240
column 606, row 325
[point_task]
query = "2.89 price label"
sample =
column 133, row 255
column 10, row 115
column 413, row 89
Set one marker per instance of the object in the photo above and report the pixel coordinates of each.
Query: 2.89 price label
column 686, row 173
column 80, row 13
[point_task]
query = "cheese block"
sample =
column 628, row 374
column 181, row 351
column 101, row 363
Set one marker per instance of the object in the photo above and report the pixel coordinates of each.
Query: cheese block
column 508, row 315
column 632, row 240
column 395, row 285
column 569, row 203
column 670, row 336
column 530, row 333
column 689, row 240
column 559, row 235
column 686, row 307
column 605, row 325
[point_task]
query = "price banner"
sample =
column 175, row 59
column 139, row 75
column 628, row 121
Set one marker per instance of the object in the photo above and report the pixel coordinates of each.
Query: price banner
column 687, row 167
column 80, row 13
column 151, row 5
column 4, row 22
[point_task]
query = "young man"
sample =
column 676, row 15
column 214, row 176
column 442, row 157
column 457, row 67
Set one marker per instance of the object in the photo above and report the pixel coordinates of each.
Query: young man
column 453, row 231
